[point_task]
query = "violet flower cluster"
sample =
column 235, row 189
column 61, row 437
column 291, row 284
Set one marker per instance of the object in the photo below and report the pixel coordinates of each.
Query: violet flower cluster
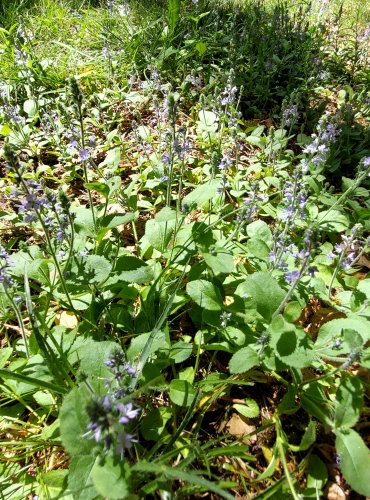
column 251, row 204
column 5, row 264
column 110, row 415
column 319, row 149
column 229, row 104
column 290, row 115
column 348, row 250
column 294, row 197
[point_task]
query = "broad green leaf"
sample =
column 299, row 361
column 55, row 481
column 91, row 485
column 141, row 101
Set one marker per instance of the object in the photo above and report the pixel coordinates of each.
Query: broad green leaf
column 290, row 344
column 243, row 360
column 143, row 132
column 181, row 392
column 336, row 329
column 221, row 262
column 256, row 141
column 317, row 475
column 93, row 355
column 202, row 194
column 159, row 231
column 93, row 269
column 264, row 292
column 205, row 294
column 30, row 107
column 332, row 220
column 54, row 484
column 84, row 222
column 249, row 409
column 44, row 399
column 348, row 401
column 354, row 460
column 114, row 220
column 315, row 403
column 108, row 478
column 99, row 187
column 131, row 270
column 207, row 118
column 260, row 230
column 80, row 479
column 258, row 248
column 292, row 311
column 153, row 424
column 74, row 421
column 180, row 351
column 112, row 159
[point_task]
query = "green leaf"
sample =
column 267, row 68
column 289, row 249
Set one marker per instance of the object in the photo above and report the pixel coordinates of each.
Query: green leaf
column 159, row 231
column 201, row 48
column 5, row 354
column 336, row 329
column 154, row 424
column 180, row 351
column 55, row 483
column 112, row 159
column 84, row 222
column 258, row 248
column 207, row 118
column 348, row 401
column 30, row 107
column 109, row 478
column 264, row 292
column 138, row 344
column 202, row 194
column 173, row 13
column 79, row 477
column 99, row 187
column 131, row 270
column 93, row 269
column 292, row 311
column 308, row 438
column 332, row 220
column 243, row 360
column 249, row 409
column 181, row 392
column 354, row 460
column 315, row 403
column 92, row 356
column 317, row 475
column 290, row 344
column 74, row 421
column 260, row 230
column 114, row 220
column 221, row 262
column 205, row 294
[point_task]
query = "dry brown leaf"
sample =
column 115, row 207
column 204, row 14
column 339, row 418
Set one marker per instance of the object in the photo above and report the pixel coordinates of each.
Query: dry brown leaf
column 67, row 319
column 240, row 427
column 335, row 492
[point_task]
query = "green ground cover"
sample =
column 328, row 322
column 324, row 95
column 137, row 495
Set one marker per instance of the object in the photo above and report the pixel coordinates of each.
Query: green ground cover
column 184, row 249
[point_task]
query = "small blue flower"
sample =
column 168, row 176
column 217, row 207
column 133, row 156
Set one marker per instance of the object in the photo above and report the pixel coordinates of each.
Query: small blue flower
column 83, row 155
